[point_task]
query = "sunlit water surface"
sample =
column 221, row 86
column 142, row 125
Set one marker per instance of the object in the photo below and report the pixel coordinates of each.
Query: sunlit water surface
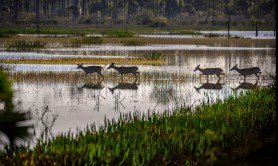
column 62, row 105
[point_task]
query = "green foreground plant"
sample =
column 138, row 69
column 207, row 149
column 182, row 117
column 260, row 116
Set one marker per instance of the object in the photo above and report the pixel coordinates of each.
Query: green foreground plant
column 12, row 122
column 178, row 137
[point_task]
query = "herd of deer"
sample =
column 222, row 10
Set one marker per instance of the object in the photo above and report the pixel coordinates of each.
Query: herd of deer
column 97, row 69
column 206, row 71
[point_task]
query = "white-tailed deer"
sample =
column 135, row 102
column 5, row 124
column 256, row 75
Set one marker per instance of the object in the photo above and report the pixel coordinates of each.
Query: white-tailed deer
column 210, row 71
column 248, row 71
column 91, row 69
column 125, row 70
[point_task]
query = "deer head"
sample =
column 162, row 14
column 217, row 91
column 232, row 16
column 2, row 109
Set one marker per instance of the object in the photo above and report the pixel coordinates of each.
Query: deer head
column 197, row 68
column 111, row 66
column 79, row 66
column 234, row 68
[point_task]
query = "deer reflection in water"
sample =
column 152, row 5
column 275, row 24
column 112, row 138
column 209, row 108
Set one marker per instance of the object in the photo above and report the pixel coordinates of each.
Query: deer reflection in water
column 89, row 85
column 124, row 85
column 247, row 85
column 212, row 86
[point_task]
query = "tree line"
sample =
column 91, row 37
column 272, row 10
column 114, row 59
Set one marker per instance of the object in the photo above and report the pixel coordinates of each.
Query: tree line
column 140, row 12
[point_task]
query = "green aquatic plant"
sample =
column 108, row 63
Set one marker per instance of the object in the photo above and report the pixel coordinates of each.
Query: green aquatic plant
column 6, row 92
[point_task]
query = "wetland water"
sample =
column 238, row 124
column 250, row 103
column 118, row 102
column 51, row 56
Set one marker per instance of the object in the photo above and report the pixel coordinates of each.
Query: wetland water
column 60, row 98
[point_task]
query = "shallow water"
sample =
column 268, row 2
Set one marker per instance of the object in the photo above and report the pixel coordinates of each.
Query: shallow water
column 245, row 34
column 60, row 98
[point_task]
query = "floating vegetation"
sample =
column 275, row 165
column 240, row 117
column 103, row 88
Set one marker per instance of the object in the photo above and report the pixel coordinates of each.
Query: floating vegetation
column 118, row 34
column 202, row 137
column 216, row 41
column 22, row 45
column 132, row 43
column 154, row 55
column 184, row 32
column 85, row 41
column 75, row 76
column 127, row 61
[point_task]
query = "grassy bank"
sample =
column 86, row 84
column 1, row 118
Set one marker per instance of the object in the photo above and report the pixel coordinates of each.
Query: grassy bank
column 82, row 29
column 226, row 131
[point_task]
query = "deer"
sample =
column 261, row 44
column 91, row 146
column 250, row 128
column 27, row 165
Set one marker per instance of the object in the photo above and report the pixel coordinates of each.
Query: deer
column 91, row 69
column 247, row 71
column 125, row 70
column 210, row 71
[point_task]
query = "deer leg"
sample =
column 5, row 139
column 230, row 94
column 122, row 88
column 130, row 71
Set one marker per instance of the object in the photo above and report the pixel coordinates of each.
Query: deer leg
column 135, row 76
column 218, row 76
column 99, row 74
column 258, row 76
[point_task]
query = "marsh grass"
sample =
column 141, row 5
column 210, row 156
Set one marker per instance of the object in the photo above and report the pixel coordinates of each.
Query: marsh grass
column 22, row 45
column 132, row 43
column 126, row 61
column 184, row 32
column 153, row 55
column 110, row 76
column 62, row 41
column 117, row 34
column 85, row 41
column 179, row 137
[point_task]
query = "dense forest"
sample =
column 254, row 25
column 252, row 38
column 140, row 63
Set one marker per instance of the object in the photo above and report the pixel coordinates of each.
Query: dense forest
column 153, row 13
